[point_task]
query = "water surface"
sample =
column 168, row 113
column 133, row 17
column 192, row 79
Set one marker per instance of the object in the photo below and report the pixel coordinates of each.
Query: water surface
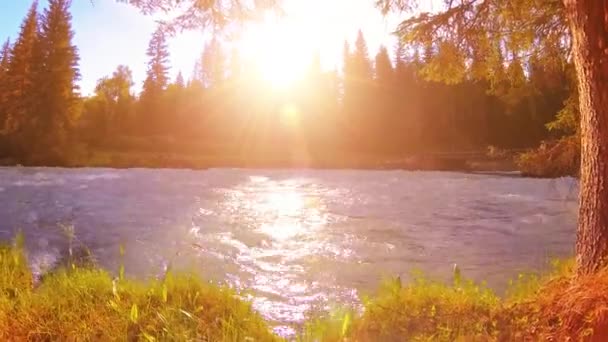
column 297, row 239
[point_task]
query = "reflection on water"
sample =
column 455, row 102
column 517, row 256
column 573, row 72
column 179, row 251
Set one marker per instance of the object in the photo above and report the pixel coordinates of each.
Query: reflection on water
column 291, row 221
column 294, row 240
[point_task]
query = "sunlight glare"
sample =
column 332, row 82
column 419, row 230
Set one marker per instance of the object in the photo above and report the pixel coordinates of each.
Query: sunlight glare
column 290, row 116
column 285, row 203
column 278, row 49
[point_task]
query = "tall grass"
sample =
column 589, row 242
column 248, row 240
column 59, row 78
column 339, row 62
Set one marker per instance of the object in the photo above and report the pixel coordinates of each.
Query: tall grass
column 86, row 303
column 83, row 303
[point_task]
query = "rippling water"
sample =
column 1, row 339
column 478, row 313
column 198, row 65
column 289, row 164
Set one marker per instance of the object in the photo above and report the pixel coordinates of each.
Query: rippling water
column 295, row 239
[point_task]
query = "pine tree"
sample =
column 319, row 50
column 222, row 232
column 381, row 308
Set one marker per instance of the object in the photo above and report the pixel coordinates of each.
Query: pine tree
column 384, row 119
column 151, row 104
column 158, row 54
column 212, row 64
column 362, row 67
column 179, row 80
column 20, row 76
column 362, row 93
column 347, row 75
column 59, row 98
column 4, row 66
column 384, row 68
column 5, row 57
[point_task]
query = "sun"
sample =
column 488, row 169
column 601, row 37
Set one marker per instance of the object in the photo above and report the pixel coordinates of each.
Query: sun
column 278, row 49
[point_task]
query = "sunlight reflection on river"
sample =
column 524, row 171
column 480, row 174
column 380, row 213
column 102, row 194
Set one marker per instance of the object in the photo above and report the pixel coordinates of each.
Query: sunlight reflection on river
column 292, row 222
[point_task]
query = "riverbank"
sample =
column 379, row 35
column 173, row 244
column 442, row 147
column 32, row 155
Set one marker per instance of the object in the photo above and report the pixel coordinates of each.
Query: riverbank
column 79, row 302
column 419, row 162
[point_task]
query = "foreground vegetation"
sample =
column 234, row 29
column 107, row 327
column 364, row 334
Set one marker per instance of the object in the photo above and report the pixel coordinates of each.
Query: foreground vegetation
column 83, row 302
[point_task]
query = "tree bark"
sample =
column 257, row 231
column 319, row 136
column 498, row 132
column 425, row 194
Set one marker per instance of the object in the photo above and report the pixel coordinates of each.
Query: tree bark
column 588, row 21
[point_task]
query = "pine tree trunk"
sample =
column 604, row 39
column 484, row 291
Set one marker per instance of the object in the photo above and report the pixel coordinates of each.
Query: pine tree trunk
column 588, row 21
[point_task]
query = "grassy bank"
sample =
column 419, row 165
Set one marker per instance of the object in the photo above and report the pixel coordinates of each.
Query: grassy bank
column 86, row 303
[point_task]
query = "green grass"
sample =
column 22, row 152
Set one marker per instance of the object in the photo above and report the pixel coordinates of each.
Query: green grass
column 80, row 303
column 84, row 303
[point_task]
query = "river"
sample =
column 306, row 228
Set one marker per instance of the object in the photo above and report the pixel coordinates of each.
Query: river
column 294, row 239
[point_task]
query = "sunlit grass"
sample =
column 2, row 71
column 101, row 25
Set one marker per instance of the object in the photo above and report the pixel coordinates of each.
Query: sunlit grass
column 76, row 303
column 79, row 303
column 554, row 307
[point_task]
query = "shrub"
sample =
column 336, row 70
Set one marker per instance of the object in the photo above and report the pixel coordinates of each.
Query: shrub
column 552, row 159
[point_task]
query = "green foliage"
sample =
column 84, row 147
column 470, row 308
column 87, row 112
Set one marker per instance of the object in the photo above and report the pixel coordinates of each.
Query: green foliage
column 213, row 14
column 447, row 65
column 57, row 111
column 85, row 303
column 552, row 159
column 110, row 110
column 568, row 118
column 39, row 93
column 20, row 76
column 158, row 54
column 150, row 104
column 519, row 47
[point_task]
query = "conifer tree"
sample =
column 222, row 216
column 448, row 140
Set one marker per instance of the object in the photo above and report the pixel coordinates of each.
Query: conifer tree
column 362, row 93
column 213, row 64
column 5, row 57
column 4, row 65
column 362, row 68
column 179, row 80
column 347, row 77
column 158, row 54
column 384, row 68
column 151, row 104
column 20, row 76
column 58, row 92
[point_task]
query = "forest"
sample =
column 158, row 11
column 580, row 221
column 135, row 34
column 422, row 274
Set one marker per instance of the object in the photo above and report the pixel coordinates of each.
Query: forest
column 374, row 109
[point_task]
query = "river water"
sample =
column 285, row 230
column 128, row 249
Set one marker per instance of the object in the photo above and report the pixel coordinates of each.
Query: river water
column 295, row 239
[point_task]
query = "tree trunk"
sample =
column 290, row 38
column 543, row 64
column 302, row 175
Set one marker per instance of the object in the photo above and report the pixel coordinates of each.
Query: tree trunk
column 588, row 21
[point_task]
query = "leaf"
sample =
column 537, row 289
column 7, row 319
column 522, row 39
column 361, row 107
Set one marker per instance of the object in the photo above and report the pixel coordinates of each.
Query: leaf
column 134, row 313
column 113, row 305
column 187, row 314
column 164, row 293
column 346, row 324
column 148, row 337
column 121, row 272
column 115, row 289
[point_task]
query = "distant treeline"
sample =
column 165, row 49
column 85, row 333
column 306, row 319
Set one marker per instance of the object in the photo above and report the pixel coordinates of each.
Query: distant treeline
column 378, row 108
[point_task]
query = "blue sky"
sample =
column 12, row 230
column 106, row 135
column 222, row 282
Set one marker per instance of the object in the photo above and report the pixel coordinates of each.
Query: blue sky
column 109, row 34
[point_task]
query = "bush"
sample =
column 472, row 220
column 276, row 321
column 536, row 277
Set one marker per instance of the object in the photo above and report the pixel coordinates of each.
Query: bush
column 552, row 159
